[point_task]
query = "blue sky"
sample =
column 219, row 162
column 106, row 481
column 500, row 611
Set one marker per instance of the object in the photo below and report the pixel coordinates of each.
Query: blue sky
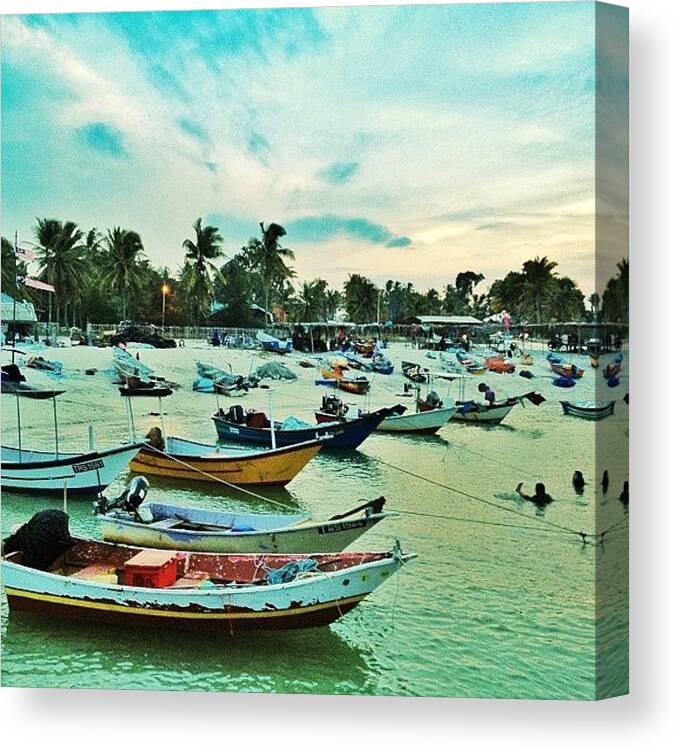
column 401, row 142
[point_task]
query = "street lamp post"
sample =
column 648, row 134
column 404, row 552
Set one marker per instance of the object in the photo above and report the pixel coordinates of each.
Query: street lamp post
column 165, row 292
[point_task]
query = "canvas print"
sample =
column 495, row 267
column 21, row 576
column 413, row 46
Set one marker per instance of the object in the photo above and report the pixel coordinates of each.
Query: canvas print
column 315, row 364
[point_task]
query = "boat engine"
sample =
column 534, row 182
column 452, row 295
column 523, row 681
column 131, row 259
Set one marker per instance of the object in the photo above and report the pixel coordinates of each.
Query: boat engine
column 129, row 501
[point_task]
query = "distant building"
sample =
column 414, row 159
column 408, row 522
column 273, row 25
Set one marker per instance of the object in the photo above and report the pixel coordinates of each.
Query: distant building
column 21, row 317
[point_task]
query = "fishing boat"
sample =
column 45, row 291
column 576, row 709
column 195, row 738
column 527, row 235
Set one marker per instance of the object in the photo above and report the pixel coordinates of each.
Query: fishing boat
column 146, row 390
column 425, row 422
column 471, row 364
column 53, row 472
column 378, row 363
column 613, row 368
column 185, row 459
column 449, row 363
column 414, row 372
column 272, row 344
column 499, row 364
column 128, row 369
column 364, row 348
column 221, row 593
column 223, row 382
column 255, row 427
column 526, row 360
column 14, row 380
column 593, row 347
column 125, row 520
column 563, row 368
column 358, row 385
column 52, row 366
column 591, row 410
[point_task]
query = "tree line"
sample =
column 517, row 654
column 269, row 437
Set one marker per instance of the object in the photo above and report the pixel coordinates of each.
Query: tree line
column 101, row 277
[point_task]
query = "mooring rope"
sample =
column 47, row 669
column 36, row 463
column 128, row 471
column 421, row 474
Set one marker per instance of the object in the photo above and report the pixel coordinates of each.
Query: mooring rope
column 213, row 478
column 583, row 534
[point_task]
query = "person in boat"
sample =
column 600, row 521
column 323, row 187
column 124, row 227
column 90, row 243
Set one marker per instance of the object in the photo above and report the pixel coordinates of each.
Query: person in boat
column 155, row 438
column 605, row 482
column 624, row 496
column 540, row 498
column 578, row 482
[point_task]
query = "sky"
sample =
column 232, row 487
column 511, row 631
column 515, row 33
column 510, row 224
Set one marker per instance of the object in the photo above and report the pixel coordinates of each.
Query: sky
column 409, row 142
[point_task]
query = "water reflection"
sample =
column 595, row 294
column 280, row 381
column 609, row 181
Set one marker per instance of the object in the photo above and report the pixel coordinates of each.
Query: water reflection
column 292, row 661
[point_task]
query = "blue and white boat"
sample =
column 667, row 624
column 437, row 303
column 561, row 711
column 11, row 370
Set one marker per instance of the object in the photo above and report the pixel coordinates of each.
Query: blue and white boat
column 254, row 427
column 273, row 344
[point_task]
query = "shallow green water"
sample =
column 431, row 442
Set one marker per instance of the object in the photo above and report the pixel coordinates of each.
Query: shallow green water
column 486, row 610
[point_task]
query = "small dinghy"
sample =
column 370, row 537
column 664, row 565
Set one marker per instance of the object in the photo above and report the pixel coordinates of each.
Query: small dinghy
column 414, row 372
column 471, row 364
column 49, row 573
column 272, row 344
column 364, row 348
column 128, row 519
column 591, row 410
column 563, row 368
column 225, row 383
column 449, row 363
column 613, row 368
column 357, row 385
column 475, row 412
column 48, row 365
column 500, row 365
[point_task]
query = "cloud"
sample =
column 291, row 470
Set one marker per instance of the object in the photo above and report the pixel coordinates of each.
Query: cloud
column 102, row 138
column 353, row 127
column 340, row 172
column 320, row 228
column 193, row 128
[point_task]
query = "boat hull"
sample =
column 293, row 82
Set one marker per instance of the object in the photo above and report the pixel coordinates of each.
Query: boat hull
column 593, row 414
column 328, row 536
column 493, row 415
column 304, row 602
column 275, row 467
column 349, row 434
column 424, row 422
column 84, row 474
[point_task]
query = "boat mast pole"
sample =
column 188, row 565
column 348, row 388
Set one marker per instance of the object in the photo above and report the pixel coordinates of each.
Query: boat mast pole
column 14, row 296
column 270, row 419
column 18, row 424
column 56, row 427
column 162, row 417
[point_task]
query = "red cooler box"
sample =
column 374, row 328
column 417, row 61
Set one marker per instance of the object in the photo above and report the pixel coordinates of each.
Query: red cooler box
column 153, row 568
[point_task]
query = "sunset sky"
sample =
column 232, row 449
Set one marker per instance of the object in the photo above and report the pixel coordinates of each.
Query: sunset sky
column 399, row 142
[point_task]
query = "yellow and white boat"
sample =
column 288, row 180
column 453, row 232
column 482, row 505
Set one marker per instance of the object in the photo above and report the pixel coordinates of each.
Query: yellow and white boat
column 185, row 459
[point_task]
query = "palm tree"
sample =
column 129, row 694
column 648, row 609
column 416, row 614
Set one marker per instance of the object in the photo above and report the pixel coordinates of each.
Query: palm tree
column 615, row 306
column 333, row 299
column 199, row 267
column 361, row 298
column 539, row 281
column 61, row 259
column 122, row 272
column 268, row 257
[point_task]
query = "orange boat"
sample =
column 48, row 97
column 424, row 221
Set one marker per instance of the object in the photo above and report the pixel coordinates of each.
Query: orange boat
column 499, row 364
column 357, row 385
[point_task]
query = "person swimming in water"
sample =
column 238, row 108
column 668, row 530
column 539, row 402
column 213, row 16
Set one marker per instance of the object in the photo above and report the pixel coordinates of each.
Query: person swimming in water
column 624, row 496
column 540, row 498
column 605, row 482
column 578, row 482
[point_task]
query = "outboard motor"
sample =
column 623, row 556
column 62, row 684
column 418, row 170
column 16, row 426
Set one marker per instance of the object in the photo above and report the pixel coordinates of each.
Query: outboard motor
column 129, row 501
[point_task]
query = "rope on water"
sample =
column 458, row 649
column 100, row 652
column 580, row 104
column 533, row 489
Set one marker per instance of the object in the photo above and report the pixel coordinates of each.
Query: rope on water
column 585, row 536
